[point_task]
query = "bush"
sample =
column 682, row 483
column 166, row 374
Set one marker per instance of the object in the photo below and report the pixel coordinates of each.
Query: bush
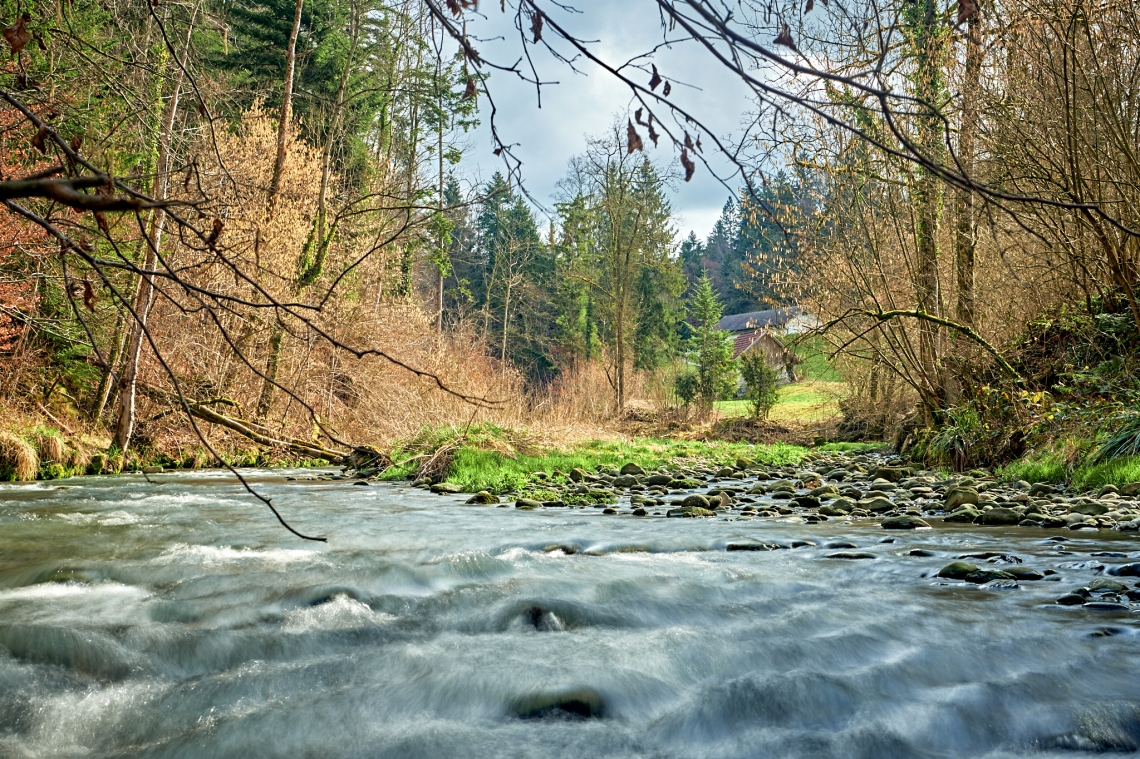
column 685, row 386
column 760, row 379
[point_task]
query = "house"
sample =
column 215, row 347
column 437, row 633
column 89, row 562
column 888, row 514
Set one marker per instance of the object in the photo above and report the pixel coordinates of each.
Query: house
column 792, row 320
column 761, row 330
column 777, row 355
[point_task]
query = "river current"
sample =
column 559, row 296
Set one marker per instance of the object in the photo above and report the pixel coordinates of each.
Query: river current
column 173, row 617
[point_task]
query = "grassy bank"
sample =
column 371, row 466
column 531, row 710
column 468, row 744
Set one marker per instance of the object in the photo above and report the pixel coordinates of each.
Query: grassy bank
column 500, row 461
column 1054, row 468
column 804, row 402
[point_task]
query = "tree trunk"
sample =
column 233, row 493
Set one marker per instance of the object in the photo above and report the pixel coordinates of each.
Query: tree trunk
column 265, row 400
column 965, row 232
column 286, row 103
column 144, row 296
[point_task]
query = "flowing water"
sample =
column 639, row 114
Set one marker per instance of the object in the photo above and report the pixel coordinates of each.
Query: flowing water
column 174, row 618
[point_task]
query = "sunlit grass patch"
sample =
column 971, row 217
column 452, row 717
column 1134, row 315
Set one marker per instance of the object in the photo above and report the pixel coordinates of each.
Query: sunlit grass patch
column 799, row 402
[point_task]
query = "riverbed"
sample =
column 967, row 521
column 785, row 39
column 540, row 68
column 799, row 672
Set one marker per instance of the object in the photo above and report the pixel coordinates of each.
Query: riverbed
column 171, row 616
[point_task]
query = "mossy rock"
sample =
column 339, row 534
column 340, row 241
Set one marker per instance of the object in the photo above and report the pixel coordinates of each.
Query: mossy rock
column 633, row 469
column 442, row 488
column 691, row 511
column 484, row 498
column 957, row 570
column 963, row 515
column 527, row 504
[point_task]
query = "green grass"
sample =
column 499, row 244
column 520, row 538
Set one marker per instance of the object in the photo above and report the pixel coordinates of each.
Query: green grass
column 1052, row 468
column 800, row 402
column 853, row 447
column 817, row 365
column 476, row 468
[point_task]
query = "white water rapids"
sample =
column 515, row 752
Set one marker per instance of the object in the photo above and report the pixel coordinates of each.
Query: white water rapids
column 175, row 618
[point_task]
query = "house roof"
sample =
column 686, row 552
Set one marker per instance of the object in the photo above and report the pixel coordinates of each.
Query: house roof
column 773, row 317
column 746, row 340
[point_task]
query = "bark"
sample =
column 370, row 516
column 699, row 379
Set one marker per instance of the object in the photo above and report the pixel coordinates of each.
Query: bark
column 144, row 296
column 286, row 103
column 965, row 232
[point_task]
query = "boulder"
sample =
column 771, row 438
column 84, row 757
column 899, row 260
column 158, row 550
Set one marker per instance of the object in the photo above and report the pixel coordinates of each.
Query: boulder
column 851, row 555
column 633, row 469
column 984, row 576
column 659, row 479
column 577, row 474
column 527, row 504
column 1041, row 488
column 877, row 505
column 1091, row 509
column 1024, row 574
column 1000, row 516
column 696, row 500
column 483, row 497
column 446, row 487
column 892, row 473
column 806, row 502
column 957, row 570
column 691, row 511
column 904, row 522
column 640, row 512
column 625, row 481
column 753, row 545
column 1131, row 489
column 957, row 497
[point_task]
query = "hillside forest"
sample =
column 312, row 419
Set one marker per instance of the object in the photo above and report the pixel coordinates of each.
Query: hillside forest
column 251, row 230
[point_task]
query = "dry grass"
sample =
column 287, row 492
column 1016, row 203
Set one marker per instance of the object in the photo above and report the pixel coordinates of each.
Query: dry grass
column 18, row 459
column 50, row 449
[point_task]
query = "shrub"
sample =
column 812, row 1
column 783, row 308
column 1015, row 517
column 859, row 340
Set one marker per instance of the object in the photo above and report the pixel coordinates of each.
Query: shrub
column 760, row 379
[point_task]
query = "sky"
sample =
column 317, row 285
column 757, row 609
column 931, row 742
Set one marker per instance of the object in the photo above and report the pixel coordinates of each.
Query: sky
column 585, row 104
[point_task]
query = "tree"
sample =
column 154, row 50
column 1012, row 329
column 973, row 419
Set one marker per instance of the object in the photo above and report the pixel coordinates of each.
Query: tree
column 760, row 381
column 716, row 372
column 629, row 218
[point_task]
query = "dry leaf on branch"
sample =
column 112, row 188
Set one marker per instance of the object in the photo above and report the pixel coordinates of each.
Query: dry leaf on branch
column 536, row 25
column 101, row 220
column 38, row 141
column 655, row 80
column 637, row 117
column 498, row 151
column 633, row 138
column 785, row 38
column 699, row 148
column 215, row 233
column 89, row 296
column 653, row 133
column 967, row 9
column 18, row 35
column 470, row 91
column 667, row 90
column 688, row 141
column 76, row 143
column 809, row 6
column 687, row 162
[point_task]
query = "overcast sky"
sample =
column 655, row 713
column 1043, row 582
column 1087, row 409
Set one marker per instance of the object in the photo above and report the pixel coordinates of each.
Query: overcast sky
column 585, row 104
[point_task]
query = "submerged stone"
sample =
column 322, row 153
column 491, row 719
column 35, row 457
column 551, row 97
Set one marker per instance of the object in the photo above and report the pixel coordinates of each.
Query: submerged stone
column 441, row 488
column 580, row 704
column 957, row 570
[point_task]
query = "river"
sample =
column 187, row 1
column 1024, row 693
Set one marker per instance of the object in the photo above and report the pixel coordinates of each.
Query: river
column 173, row 617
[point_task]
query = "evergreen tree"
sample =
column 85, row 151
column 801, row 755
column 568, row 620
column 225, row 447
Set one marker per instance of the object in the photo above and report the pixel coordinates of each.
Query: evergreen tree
column 716, row 371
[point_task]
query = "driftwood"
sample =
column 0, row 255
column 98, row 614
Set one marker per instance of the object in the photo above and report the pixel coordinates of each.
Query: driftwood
column 204, row 410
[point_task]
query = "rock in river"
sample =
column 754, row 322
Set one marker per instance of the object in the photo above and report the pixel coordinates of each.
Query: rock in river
column 483, row 497
column 957, row 570
column 1001, row 516
column 446, row 487
column 904, row 522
